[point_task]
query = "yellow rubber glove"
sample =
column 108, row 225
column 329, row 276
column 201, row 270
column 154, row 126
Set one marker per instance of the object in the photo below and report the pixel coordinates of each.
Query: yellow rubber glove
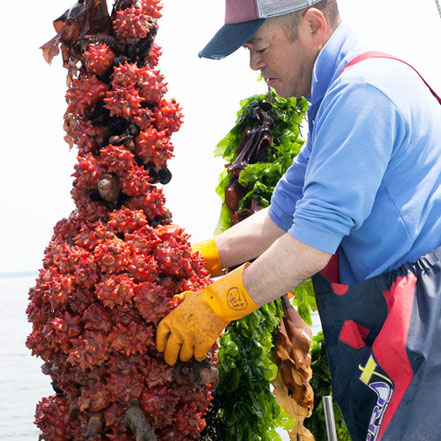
column 209, row 252
column 193, row 327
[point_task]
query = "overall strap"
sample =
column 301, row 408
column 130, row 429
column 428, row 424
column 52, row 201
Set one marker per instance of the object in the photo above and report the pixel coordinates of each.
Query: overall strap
column 368, row 55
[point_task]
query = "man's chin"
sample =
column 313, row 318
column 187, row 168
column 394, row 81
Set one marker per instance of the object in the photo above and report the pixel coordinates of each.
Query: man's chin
column 282, row 91
column 285, row 93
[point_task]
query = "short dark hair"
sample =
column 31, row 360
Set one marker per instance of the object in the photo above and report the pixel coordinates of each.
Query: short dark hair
column 291, row 21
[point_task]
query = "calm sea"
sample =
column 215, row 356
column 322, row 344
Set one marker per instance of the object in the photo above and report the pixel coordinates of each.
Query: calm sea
column 22, row 383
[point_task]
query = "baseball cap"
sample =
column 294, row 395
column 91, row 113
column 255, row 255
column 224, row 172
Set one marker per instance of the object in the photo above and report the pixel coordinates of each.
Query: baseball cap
column 242, row 20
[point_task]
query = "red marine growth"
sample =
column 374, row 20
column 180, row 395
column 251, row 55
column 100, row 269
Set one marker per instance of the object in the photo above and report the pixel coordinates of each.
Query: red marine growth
column 112, row 268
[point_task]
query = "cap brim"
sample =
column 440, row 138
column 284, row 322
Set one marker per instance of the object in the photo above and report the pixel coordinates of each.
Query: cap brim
column 229, row 38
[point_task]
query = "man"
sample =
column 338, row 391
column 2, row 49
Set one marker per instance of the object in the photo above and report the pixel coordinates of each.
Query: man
column 367, row 187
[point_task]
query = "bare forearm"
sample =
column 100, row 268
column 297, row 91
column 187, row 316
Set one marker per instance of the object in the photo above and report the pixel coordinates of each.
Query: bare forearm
column 281, row 268
column 247, row 239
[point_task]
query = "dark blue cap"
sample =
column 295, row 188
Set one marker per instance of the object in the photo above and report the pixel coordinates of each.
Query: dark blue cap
column 229, row 38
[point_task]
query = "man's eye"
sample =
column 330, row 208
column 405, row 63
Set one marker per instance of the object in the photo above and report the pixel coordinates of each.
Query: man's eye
column 261, row 51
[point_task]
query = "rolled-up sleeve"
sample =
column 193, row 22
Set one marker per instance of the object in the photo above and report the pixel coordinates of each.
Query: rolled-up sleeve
column 289, row 190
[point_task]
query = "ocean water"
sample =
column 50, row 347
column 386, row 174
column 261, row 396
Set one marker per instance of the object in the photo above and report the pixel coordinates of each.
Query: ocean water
column 22, row 384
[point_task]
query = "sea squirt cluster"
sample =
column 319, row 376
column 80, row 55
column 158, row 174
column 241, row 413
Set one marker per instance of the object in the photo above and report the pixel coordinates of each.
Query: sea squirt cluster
column 112, row 268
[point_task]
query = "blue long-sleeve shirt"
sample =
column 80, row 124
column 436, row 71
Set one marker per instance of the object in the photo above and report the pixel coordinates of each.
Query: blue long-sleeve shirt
column 368, row 180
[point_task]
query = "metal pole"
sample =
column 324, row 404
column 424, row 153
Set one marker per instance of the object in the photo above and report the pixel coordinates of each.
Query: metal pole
column 329, row 418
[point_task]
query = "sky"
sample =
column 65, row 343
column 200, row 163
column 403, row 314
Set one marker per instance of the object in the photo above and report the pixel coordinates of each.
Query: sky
column 36, row 164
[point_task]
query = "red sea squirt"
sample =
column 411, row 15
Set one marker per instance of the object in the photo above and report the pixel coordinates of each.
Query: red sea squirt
column 112, row 268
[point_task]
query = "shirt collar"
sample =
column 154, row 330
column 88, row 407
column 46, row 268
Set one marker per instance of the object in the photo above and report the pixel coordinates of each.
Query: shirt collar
column 332, row 59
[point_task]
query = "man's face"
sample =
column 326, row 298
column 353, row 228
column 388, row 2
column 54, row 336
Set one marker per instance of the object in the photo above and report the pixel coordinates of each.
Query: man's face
column 286, row 65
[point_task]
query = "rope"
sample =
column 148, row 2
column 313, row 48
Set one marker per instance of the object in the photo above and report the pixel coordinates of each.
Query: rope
column 438, row 5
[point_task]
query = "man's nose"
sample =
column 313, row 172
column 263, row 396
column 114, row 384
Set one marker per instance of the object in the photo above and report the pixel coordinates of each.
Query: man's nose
column 256, row 62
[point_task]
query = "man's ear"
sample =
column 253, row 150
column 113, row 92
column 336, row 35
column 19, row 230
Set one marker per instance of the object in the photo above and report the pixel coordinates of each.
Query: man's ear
column 314, row 28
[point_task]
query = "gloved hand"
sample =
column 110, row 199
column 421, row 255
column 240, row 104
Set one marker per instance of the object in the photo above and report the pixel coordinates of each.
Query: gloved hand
column 193, row 327
column 209, row 252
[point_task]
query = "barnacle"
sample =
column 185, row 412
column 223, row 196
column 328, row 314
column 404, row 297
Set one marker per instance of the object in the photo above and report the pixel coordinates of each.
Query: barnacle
column 167, row 116
column 152, row 88
column 98, row 58
column 132, row 23
column 84, row 93
column 154, row 147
